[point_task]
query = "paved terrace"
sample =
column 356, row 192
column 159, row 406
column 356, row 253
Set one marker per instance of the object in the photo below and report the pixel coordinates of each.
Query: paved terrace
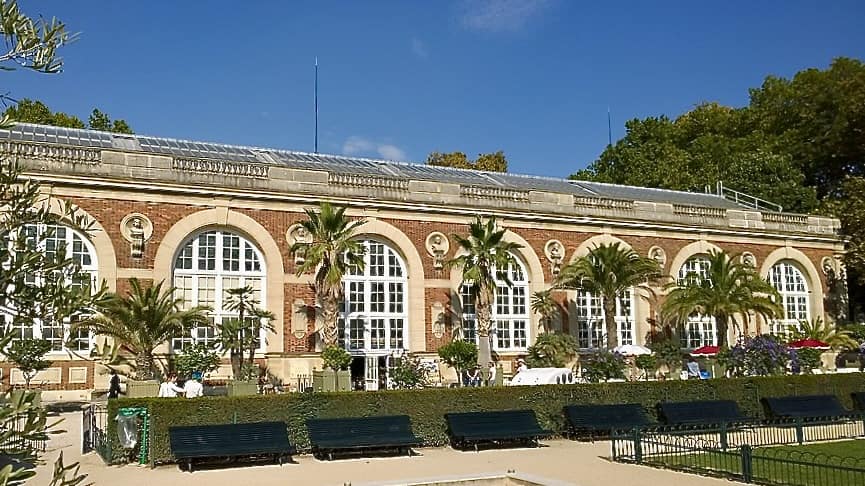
column 561, row 462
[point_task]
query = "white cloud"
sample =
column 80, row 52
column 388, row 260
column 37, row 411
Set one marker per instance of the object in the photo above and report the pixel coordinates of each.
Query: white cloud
column 419, row 48
column 356, row 145
column 500, row 15
column 391, row 152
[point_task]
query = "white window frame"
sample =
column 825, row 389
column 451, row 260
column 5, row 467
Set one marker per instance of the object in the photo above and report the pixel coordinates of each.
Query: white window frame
column 380, row 326
column 591, row 327
column 510, row 329
column 699, row 330
column 189, row 282
column 790, row 282
column 86, row 251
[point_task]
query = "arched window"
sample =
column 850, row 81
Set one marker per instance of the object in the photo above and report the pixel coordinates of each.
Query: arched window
column 591, row 329
column 789, row 281
column 51, row 238
column 376, row 302
column 510, row 312
column 209, row 265
column 699, row 330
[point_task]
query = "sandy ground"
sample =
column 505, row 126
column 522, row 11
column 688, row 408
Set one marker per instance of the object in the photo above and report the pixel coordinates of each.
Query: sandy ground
column 560, row 461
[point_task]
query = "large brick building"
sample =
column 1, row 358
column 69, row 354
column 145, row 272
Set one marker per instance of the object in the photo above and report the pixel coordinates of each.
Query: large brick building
column 206, row 217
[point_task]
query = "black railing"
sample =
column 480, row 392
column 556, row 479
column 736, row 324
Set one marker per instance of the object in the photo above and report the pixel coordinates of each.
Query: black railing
column 94, row 432
column 745, row 452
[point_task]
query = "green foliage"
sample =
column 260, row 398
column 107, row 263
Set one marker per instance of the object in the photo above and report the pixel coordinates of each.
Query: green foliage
column 668, row 352
column 604, row 365
column 856, row 331
column 427, row 407
column 730, row 288
column 328, row 247
column 485, row 256
column 646, row 362
column 546, row 306
column 762, row 355
column 552, row 350
column 243, row 333
column 492, row 162
column 409, row 373
column 336, row 358
column 608, row 271
column 823, row 331
column 28, row 355
column 143, row 320
column 809, row 358
column 35, row 111
column 459, row 355
column 200, row 357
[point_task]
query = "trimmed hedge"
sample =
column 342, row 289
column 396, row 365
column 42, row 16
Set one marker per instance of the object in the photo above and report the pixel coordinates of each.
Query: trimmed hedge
column 427, row 407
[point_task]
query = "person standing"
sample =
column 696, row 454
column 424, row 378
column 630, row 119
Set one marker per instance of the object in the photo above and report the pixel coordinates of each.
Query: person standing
column 114, row 385
column 862, row 356
column 521, row 365
column 475, row 377
column 169, row 388
column 491, row 374
column 193, row 387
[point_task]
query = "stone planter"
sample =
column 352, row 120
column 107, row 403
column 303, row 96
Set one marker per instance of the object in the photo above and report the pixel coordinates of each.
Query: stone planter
column 328, row 381
column 237, row 388
column 142, row 388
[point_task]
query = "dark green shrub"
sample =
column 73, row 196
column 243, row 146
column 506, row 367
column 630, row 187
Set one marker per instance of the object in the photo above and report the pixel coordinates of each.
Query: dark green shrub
column 603, row 365
column 809, row 358
column 409, row 373
column 552, row 350
column 648, row 363
column 427, row 407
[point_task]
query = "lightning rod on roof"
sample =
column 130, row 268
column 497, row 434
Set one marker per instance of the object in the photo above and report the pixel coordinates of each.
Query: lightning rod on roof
column 609, row 128
column 315, row 103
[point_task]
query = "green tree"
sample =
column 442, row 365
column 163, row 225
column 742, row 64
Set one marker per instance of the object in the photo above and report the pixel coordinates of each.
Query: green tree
column 546, row 306
column 459, row 355
column 242, row 334
column 492, row 162
column 552, row 350
column 409, row 373
column 200, row 358
column 143, row 320
column 821, row 330
column 33, row 111
column 101, row 121
column 730, row 289
column 604, row 365
column 335, row 358
column 484, row 256
column 607, row 271
column 28, row 355
column 330, row 254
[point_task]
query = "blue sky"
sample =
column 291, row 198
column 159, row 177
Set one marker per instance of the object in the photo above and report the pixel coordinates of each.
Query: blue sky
column 399, row 79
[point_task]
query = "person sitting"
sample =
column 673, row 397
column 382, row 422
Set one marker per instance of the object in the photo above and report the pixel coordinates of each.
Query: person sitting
column 693, row 369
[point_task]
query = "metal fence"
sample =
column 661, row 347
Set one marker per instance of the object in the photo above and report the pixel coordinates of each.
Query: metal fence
column 94, row 432
column 742, row 452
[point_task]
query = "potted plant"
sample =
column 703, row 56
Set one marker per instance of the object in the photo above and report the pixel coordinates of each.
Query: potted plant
column 336, row 359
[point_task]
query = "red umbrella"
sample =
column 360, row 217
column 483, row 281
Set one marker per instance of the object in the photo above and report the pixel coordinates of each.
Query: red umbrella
column 705, row 351
column 809, row 343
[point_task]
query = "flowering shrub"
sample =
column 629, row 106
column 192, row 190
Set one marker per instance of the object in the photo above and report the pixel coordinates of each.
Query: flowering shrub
column 758, row 356
column 604, row 365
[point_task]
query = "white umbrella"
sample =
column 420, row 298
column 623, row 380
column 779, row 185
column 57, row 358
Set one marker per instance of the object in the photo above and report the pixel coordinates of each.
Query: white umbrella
column 632, row 350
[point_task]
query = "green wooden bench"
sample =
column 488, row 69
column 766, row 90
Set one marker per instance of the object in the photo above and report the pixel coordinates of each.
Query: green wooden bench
column 329, row 436
column 858, row 401
column 605, row 418
column 804, row 406
column 473, row 428
column 703, row 412
column 229, row 441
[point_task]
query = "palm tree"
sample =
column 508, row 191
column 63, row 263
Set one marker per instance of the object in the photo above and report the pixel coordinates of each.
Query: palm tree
column 331, row 253
column 143, row 320
column 546, row 306
column 235, row 335
column 730, row 288
column 822, row 331
column 485, row 254
column 607, row 271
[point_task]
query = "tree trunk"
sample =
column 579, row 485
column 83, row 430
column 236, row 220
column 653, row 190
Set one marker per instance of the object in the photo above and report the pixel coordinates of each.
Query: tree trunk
column 330, row 315
column 236, row 358
column 144, row 366
column 483, row 309
column 721, row 323
column 610, row 322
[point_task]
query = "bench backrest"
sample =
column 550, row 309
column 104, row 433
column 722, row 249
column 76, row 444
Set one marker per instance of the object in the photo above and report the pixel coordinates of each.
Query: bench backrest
column 227, row 439
column 805, row 406
column 859, row 400
column 700, row 412
column 354, row 428
column 620, row 415
column 495, row 421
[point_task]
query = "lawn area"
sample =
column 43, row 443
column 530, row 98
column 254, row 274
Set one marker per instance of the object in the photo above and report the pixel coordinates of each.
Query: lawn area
column 826, row 464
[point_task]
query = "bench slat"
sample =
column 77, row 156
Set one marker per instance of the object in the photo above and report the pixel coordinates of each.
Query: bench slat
column 606, row 417
column 229, row 440
column 497, row 425
column 706, row 412
column 805, row 406
column 361, row 433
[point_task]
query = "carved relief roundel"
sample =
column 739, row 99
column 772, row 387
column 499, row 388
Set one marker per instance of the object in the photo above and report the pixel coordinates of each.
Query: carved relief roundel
column 136, row 226
column 554, row 251
column 658, row 254
column 437, row 244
